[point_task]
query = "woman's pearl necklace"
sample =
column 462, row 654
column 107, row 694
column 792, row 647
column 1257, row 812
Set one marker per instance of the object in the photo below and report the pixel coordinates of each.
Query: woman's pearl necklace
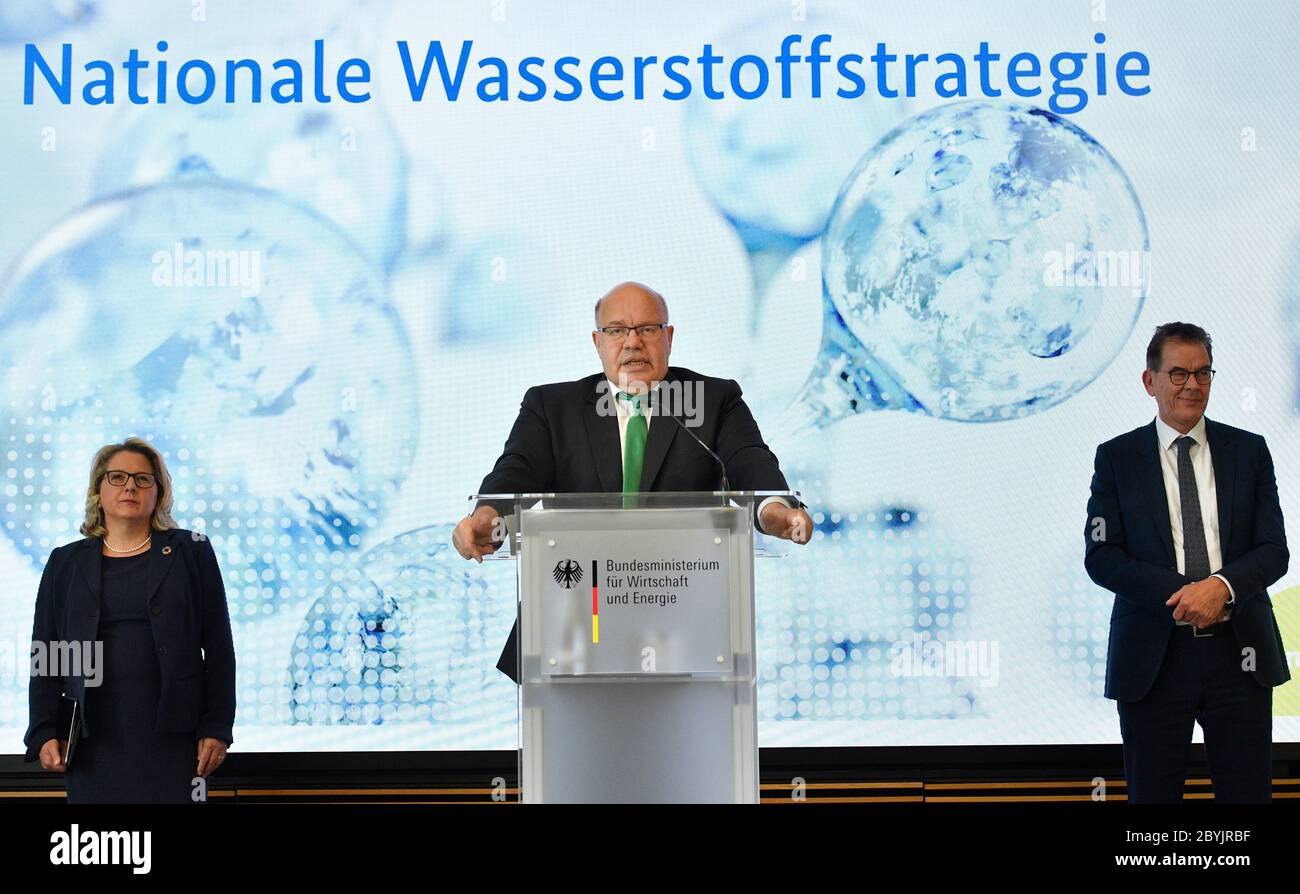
column 132, row 549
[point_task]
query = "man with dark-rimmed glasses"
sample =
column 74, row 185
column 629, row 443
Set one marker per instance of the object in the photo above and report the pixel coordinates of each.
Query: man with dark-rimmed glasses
column 638, row 425
column 1185, row 527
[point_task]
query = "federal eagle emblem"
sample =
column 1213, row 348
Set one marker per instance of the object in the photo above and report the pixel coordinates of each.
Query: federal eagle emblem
column 567, row 573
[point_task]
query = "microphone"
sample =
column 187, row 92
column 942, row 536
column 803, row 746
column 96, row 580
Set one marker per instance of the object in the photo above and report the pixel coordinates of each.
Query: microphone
column 726, row 485
column 721, row 465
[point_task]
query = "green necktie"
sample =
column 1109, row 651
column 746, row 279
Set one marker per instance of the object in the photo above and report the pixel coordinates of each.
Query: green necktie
column 633, row 449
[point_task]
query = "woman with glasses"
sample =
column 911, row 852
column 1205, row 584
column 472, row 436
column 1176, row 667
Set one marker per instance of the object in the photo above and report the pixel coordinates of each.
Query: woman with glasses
column 132, row 624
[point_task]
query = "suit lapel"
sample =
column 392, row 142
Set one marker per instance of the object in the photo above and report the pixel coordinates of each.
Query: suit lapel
column 1223, row 459
column 90, row 561
column 602, row 433
column 662, row 432
column 161, row 558
column 1153, row 487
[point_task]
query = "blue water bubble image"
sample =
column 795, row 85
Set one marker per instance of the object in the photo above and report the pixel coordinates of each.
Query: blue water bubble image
column 243, row 335
column 342, row 160
column 418, row 284
column 409, row 635
column 772, row 165
column 984, row 261
column 846, row 627
column 1079, row 632
column 27, row 20
column 492, row 293
column 475, row 290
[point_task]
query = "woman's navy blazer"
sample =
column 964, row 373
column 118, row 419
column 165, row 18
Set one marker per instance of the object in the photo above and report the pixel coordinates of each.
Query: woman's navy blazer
column 191, row 632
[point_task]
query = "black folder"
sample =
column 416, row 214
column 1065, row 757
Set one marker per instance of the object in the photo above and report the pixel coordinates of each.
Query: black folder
column 69, row 725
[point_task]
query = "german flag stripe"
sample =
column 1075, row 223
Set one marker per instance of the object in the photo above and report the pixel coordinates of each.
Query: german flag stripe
column 595, row 605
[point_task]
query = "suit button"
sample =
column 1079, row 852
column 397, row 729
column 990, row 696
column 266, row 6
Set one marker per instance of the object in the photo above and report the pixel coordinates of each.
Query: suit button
column 157, row 609
column 162, row 650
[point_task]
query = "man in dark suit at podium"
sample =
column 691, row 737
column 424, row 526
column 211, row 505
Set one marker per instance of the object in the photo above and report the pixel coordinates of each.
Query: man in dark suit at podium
column 618, row 430
column 1185, row 527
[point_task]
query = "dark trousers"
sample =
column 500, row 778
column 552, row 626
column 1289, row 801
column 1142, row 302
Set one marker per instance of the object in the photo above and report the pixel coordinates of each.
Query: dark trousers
column 508, row 663
column 1201, row 680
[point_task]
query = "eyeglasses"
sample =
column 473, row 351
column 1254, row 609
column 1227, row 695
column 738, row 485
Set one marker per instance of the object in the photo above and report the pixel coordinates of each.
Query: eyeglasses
column 117, row 478
column 645, row 330
column 1179, row 376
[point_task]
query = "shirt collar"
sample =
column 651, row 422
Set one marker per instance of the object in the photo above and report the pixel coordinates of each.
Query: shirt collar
column 1168, row 434
column 623, row 406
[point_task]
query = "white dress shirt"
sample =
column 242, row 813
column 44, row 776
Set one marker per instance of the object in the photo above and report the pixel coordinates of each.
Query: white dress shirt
column 624, row 410
column 1203, row 470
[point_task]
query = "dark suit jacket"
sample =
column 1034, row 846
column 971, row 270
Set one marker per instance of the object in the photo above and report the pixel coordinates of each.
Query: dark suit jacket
column 191, row 629
column 561, row 444
column 1129, row 550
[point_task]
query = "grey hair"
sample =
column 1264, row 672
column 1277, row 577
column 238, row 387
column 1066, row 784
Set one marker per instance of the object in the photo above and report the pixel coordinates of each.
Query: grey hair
column 1189, row 333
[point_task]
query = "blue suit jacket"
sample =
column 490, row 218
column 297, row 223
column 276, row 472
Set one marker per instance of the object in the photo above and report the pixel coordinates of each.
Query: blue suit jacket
column 1129, row 550
column 191, row 631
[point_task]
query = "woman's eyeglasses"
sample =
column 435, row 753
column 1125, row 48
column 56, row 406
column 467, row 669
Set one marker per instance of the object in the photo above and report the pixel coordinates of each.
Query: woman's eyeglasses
column 143, row 480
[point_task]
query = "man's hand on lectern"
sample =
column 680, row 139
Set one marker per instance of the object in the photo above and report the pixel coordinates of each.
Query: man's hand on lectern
column 474, row 534
column 780, row 520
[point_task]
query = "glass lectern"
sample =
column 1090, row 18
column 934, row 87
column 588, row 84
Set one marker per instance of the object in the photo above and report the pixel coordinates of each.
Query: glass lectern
column 636, row 645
